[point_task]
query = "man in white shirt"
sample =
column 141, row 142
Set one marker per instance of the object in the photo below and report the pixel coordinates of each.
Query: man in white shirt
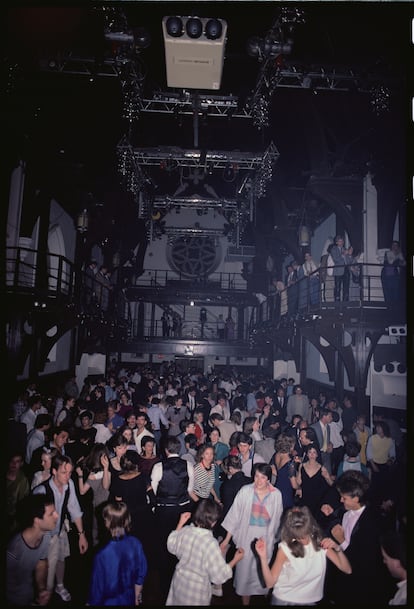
column 142, row 430
column 34, row 408
column 222, row 407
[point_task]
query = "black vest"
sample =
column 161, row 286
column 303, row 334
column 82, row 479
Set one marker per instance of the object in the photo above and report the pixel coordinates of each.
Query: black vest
column 51, row 497
column 172, row 488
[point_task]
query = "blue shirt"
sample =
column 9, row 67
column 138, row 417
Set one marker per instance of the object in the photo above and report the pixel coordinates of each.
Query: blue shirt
column 116, row 569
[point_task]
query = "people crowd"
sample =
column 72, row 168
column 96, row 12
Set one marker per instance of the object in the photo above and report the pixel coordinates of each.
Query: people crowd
column 179, row 482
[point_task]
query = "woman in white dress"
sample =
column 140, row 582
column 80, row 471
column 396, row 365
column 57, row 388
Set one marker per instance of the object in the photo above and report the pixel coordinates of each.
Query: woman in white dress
column 256, row 512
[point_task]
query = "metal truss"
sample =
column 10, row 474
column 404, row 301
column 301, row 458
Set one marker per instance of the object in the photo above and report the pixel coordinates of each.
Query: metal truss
column 188, row 104
column 195, row 232
column 289, row 76
column 210, row 160
column 196, row 202
column 323, row 78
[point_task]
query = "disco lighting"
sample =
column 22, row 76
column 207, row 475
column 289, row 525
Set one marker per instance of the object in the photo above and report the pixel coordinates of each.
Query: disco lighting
column 194, row 51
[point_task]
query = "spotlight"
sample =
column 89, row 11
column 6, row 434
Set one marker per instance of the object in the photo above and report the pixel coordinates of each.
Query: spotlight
column 267, row 47
column 194, row 27
column 174, row 27
column 214, row 29
column 194, row 51
column 142, row 38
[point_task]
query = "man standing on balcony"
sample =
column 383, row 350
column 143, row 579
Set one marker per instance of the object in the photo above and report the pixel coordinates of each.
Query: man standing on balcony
column 292, row 290
column 342, row 258
column 220, row 326
column 165, row 325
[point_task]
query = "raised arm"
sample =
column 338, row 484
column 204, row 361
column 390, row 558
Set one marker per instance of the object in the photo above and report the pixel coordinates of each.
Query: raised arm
column 270, row 575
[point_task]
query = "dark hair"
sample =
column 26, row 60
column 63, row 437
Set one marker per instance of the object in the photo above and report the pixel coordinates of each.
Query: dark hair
column 117, row 440
column 216, row 416
column 86, row 413
column 245, row 438
column 248, row 424
column 395, row 546
column 185, row 423
column 206, row 513
column 59, row 460
column 93, row 459
column 324, row 411
column 354, row 484
column 201, row 450
column 191, row 440
column 31, row 507
column 310, row 434
column 41, row 420
column 385, row 428
column 315, row 446
column 352, row 448
column 262, row 468
column 146, row 439
column 231, row 461
column 234, row 438
column 130, row 461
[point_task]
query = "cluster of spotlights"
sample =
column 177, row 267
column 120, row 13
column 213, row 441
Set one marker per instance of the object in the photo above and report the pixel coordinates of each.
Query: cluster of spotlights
column 194, row 28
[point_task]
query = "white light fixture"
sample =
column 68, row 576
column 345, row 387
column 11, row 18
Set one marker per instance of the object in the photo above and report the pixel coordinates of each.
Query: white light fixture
column 82, row 221
column 304, row 236
column 194, row 51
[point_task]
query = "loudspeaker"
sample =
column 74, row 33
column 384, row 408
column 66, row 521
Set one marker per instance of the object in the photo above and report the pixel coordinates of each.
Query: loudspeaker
column 194, row 51
column 397, row 330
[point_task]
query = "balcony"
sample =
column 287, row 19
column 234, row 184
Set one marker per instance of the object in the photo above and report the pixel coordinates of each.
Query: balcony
column 52, row 284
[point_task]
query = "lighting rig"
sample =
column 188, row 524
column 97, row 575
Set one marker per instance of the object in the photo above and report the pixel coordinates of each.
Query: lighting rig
column 200, row 42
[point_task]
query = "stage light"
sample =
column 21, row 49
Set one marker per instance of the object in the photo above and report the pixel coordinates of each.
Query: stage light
column 174, row 27
column 214, row 29
column 194, row 51
column 304, row 236
column 194, row 27
column 82, row 221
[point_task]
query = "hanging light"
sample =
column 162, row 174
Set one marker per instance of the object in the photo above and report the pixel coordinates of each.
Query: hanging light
column 82, row 221
column 304, row 235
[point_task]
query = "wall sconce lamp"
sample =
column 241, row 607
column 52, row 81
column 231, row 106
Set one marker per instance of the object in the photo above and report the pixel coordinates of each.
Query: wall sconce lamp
column 304, row 236
column 82, row 221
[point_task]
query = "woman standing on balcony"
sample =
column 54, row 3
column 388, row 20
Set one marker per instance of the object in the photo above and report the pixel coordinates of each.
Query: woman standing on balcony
column 393, row 275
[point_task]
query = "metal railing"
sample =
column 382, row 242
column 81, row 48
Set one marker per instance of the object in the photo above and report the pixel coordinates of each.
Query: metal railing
column 52, row 276
column 362, row 286
column 165, row 278
column 189, row 330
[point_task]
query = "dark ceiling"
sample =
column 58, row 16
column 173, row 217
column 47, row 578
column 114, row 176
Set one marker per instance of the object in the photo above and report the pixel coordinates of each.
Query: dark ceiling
column 67, row 127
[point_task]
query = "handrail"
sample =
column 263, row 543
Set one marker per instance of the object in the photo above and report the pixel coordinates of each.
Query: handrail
column 58, row 277
column 62, row 278
column 158, row 278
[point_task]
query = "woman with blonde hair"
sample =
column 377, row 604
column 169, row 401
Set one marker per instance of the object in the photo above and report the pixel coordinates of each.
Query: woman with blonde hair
column 123, row 554
column 297, row 575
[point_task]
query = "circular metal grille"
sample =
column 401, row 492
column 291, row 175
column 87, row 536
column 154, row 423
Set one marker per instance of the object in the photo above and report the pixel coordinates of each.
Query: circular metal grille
column 194, row 257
